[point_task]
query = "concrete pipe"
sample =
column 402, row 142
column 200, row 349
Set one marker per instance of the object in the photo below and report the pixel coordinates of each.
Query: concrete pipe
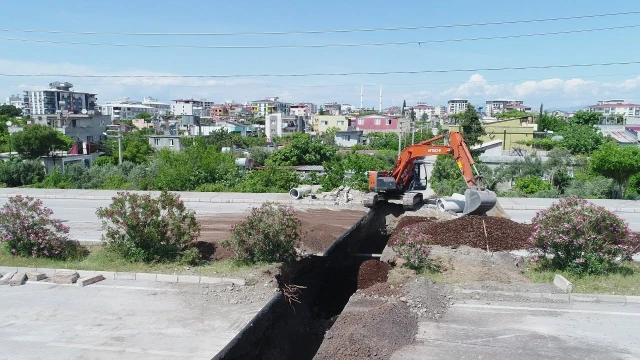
column 450, row 204
column 300, row 192
column 244, row 162
column 225, row 150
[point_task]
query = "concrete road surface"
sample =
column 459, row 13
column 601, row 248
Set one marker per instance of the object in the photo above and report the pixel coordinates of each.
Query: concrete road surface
column 512, row 330
column 125, row 320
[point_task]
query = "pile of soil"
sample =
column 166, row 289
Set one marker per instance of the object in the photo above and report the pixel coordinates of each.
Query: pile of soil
column 501, row 234
column 372, row 272
column 411, row 220
column 376, row 333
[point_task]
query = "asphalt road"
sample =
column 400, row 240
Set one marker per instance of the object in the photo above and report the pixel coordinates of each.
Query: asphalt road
column 125, row 320
column 80, row 215
column 511, row 330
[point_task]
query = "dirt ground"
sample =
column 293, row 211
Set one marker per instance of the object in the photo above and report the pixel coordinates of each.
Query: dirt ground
column 321, row 228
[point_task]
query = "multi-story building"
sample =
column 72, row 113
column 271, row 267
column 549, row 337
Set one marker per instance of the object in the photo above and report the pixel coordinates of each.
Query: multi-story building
column 423, row 109
column 303, row 109
column 393, row 111
column 439, row 111
column 617, row 108
column 494, row 107
column 456, row 106
column 81, row 127
column 376, row 123
column 332, row 108
column 321, row 123
column 200, row 107
column 125, row 109
column 15, row 100
column 347, row 109
column 58, row 98
column 269, row 106
column 159, row 108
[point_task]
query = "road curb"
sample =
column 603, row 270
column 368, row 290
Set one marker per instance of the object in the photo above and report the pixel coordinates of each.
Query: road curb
column 110, row 275
column 572, row 297
column 537, row 208
column 188, row 200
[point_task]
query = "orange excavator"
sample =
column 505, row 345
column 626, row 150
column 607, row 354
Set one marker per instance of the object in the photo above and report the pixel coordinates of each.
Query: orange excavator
column 401, row 182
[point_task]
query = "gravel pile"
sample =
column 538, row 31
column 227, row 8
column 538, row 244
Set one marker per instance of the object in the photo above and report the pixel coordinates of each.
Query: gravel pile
column 372, row 272
column 501, row 234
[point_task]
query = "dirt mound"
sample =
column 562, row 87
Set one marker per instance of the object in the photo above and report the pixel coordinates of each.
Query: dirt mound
column 372, row 272
column 501, row 234
column 410, row 220
column 373, row 334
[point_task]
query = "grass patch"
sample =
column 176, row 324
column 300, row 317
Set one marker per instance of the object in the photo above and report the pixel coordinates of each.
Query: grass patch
column 97, row 258
column 624, row 281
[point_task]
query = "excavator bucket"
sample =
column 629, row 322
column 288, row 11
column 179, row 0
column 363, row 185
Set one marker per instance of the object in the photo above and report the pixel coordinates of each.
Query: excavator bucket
column 478, row 202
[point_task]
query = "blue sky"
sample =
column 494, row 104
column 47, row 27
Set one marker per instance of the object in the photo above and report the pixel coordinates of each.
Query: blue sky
column 556, row 87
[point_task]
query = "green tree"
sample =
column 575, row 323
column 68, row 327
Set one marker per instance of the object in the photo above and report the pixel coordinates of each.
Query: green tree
column 446, row 177
column 617, row 162
column 10, row 110
column 531, row 184
column 135, row 148
column 583, row 117
column 39, row 140
column 302, row 150
column 145, row 116
column 511, row 114
column 553, row 123
column 404, row 105
column 330, row 136
column 557, row 165
column 581, row 139
column 471, row 126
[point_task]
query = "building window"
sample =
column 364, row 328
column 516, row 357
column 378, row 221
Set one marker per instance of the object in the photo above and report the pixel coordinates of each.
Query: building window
column 89, row 138
column 377, row 121
column 156, row 142
column 340, row 123
column 360, row 122
column 324, row 123
column 170, row 142
column 388, row 121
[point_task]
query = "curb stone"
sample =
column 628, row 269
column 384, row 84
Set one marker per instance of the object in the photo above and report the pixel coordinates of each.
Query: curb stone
column 110, row 275
column 572, row 297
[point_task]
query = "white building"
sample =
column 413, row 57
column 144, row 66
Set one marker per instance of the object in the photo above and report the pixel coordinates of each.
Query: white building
column 302, row 109
column 494, row 107
column 200, row 107
column 456, row 106
column 422, row 109
column 610, row 108
column 347, row 109
column 159, row 108
column 15, row 100
column 59, row 97
column 440, row 111
column 125, row 109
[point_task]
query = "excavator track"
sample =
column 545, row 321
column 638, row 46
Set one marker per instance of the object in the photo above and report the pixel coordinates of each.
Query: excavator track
column 411, row 199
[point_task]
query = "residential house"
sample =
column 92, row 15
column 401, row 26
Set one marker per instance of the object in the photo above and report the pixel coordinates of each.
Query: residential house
column 347, row 109
column 171, row 142
column 58, row 98
column 269, row 106
column 393, row 111
column 219, row 110
column 457, row 106
column 613, row 109
column 376, row 123
column 81, row 127
column 423, row 109
column 623, row 135
column 321, row 123
column 510, row 131
column 349, row 138
column 303, row 109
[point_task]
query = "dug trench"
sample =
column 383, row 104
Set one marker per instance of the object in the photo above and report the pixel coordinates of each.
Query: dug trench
column 313, row 292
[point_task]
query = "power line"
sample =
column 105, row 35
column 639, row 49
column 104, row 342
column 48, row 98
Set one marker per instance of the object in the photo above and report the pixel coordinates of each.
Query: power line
column 236, row 47
column 400, row 72
column 302, row 32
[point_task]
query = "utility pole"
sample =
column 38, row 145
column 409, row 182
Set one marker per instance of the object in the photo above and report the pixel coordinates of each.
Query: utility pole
column 400, row 141
column 118, row 129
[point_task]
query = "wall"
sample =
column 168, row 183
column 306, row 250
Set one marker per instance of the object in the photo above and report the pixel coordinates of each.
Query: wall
column 338, row 121
column 348, row 138
column 509, row 131
column 165, row 142
column 376, row 124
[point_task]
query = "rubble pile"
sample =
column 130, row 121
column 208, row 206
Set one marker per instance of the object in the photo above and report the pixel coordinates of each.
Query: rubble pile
column 343, row 195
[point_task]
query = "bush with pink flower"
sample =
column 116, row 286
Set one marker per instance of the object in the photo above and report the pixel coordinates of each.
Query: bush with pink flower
column 29, row 230
column 413, row 246
column 581, row 237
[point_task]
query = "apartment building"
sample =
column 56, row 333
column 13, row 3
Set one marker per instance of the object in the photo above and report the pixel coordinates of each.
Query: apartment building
column 159, row 108
column 332, row 108
column 58, row 98
column 612, row 108
column 456, row 106
column 15, row 100
column 494, row 107
column 268, row 106
column 194, row 107
column 321, row 123
column 422, row 109
column 303, row 109
column 125, row 109
column 439, row 111
column 376, row 123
